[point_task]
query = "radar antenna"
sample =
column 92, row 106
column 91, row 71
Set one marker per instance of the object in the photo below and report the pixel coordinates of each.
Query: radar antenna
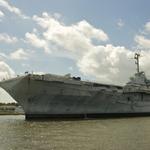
column 136, row 57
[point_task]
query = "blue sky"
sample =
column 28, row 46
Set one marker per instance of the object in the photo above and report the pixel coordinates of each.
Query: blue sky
column 92, row 39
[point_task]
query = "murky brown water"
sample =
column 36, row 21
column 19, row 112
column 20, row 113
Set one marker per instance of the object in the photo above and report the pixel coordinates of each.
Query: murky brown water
column 103, row 134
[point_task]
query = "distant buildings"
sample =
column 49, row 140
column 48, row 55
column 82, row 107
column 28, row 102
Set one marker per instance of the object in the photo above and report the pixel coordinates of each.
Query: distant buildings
column 10, row 109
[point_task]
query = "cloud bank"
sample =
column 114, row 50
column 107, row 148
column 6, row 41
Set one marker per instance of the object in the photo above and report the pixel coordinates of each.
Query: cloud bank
column 87, row 45
column 12, row 9
column 4, row 37
column 106, row 62
column 19, row 54
column 142, row 39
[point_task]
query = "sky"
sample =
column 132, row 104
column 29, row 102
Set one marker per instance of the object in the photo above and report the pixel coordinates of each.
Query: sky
column 95, row 40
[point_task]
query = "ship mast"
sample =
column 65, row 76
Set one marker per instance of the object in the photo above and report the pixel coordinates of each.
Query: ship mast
column 136, row 57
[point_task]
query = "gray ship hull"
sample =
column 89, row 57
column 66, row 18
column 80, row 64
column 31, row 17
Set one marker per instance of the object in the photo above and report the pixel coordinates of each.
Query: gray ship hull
column 55, row 98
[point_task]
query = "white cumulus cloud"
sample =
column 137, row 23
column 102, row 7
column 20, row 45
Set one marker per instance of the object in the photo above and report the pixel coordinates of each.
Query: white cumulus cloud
column 147, row 26
column 1, row 14
column 4, row 37
column 3, row 56
column 91, row 32
column 120, row 23
column 11, row 8
column 142, row 41
column 5, row 71
column 34, row 40
column 106, row 62
column 19, row 54
column 75, row 38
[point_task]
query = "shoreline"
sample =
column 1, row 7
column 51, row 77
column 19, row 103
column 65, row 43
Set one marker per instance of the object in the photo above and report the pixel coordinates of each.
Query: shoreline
column 10, row 113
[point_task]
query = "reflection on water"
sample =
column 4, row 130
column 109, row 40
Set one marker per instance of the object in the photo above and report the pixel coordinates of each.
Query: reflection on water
column 102, row 134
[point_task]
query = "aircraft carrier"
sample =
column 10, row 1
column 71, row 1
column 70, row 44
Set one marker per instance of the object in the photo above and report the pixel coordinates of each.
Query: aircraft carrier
column 53, row 96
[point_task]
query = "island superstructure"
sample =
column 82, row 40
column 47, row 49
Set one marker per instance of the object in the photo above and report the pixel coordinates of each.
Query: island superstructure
column 55, row 96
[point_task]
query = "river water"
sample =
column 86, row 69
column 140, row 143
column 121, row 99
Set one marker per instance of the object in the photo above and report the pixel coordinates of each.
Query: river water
column 102, row 134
